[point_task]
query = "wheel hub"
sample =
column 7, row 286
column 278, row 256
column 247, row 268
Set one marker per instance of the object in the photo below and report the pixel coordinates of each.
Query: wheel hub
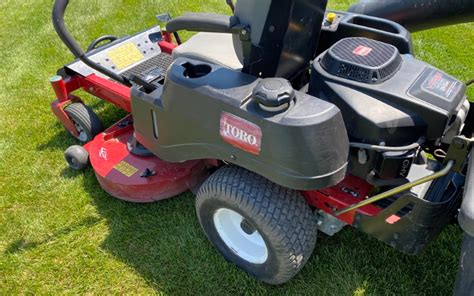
column 240, row 236
column 247, row 227
column 82, row 135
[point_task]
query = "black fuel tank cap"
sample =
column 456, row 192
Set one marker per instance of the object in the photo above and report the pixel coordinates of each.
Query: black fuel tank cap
column 273, row 94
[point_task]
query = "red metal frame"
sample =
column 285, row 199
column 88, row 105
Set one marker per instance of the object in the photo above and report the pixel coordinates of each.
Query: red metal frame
column 58, row 109
column 349, row 192
column 167, row 37
column 107, row 90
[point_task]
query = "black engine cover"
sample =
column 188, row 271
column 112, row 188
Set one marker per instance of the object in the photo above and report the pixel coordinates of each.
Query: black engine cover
column 352, row 58
column 384, row 96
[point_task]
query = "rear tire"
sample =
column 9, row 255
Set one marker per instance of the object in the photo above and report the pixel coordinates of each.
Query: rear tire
column 85, row 120
column 267, row 230
column 77, row 157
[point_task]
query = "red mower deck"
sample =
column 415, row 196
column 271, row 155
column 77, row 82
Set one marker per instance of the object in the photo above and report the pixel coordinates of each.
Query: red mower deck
column 135, row 178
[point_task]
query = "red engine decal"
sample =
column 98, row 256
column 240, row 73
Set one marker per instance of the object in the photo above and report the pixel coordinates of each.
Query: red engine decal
column 362, row 50
column 241, row 133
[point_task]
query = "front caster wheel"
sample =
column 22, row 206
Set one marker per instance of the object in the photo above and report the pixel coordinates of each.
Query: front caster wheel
column 265, row 229
column 87, row 123
column 77, row 157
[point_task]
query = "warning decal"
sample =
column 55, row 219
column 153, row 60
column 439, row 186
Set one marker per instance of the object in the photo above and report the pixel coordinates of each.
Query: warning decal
column 440, row 85
column 125, row 168
column 125, row 55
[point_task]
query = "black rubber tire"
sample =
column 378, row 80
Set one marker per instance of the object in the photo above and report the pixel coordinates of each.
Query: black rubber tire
column 77, row 157
column 86, row 118
column 281, row 216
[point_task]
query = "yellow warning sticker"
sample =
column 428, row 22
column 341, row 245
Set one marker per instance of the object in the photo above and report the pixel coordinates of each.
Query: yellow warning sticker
column 125, row 55
column 126, row 168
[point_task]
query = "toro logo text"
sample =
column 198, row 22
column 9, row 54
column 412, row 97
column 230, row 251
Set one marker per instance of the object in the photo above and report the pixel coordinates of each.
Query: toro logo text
column 241, row 133
column 362, row 50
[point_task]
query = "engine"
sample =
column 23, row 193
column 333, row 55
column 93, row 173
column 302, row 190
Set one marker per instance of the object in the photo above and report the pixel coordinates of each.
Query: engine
column 388, row 99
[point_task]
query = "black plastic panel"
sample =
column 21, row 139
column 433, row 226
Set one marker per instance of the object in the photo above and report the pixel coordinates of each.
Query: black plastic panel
column 212, row 116
column 289, row 38
column 421, row 218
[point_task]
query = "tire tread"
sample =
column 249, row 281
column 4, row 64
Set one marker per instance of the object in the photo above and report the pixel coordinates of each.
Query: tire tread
column 86, row 117
column 288, row 219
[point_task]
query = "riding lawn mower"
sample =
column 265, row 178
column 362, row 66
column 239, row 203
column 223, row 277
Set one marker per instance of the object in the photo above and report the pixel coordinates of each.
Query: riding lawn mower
column 286, row 120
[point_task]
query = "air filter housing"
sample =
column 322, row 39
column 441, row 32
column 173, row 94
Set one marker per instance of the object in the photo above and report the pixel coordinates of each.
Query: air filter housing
column 363, row 60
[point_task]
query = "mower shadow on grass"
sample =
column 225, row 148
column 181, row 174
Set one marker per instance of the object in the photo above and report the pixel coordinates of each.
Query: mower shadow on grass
column 58, row 141
column 22, row 245
column 164, row 243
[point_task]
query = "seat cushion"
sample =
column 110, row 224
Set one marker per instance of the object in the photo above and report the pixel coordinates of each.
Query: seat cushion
column 216, row 48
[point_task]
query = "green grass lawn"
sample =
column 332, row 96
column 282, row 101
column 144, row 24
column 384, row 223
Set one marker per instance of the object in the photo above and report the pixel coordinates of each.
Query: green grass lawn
column 60, row 233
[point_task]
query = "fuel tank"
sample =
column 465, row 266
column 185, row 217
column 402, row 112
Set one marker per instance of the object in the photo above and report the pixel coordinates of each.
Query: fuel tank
column 208, row 111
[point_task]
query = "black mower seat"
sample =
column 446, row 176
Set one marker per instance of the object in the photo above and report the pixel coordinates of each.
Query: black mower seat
column 272, row 38
column 216, row 48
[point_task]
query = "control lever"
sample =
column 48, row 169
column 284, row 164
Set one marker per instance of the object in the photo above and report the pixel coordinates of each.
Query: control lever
column 164, row 18
column 231, row 5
